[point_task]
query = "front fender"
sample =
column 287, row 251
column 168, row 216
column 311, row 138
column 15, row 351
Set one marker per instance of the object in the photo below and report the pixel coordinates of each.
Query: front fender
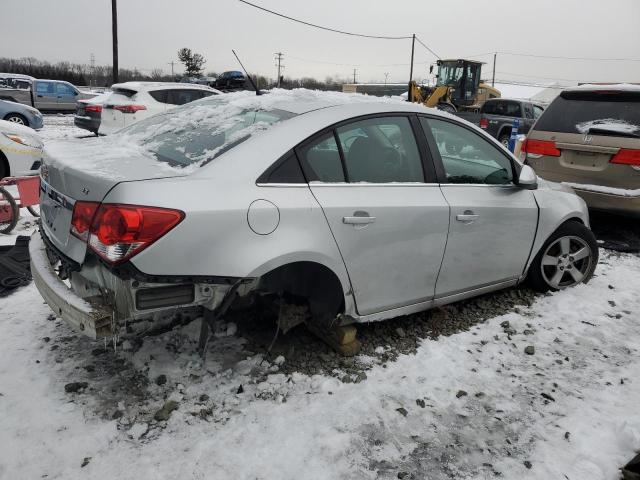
column 557, row 204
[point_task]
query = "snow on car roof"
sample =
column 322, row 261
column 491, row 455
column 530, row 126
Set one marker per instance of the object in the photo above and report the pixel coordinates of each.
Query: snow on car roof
column 593, row 87
column 159, row 85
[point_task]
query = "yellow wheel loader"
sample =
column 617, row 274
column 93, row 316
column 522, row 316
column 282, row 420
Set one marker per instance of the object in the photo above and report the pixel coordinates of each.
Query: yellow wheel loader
column 458, row 87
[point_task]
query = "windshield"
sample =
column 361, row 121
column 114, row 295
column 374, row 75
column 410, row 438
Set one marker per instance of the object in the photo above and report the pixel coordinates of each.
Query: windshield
column 200, row 131
column 449, row 73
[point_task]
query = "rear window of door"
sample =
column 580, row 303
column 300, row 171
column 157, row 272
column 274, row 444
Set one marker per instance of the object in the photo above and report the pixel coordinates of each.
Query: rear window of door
column 374, row 150
column 182, row 96
column 44, row 88
column 321, row 159
column 380, row 150
column 159, row 95
column 466, row 156
column 601, row 113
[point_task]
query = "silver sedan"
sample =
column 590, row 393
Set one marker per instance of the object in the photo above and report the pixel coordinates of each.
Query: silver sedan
column 361, row 210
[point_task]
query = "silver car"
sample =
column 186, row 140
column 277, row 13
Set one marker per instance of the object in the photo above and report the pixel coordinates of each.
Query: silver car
column 361, row 210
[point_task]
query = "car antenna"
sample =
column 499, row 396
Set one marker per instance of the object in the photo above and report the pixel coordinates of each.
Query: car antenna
column 253, row 84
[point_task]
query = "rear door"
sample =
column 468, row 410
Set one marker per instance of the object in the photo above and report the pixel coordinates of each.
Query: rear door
column 493, row 221
column 45, row 95
column 386, row 212
column 589, row 138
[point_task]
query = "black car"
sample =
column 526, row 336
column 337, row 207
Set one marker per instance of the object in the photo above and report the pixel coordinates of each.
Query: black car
column 233, row 80
column 89, row 113
column 497, row 114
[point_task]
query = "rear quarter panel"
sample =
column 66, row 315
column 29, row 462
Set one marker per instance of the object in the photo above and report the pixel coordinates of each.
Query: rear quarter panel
column 215, row 238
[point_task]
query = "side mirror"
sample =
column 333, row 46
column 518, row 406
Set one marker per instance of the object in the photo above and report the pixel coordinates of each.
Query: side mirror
column 430, row 68
column 528, row 178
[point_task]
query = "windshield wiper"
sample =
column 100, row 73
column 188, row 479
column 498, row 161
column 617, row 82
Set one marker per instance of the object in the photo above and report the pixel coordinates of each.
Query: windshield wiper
column 612, row 132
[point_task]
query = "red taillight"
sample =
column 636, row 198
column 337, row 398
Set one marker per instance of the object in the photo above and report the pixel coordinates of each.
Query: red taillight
column 83, row 213
column 129, row 108
column 627, row 156
column 119, row 232
column 93, row 108
column 540, row 147
column 484, row 123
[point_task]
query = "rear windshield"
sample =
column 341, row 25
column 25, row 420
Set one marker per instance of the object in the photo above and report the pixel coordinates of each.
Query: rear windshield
column 197, row 133
column 599, row 113
column 125, row 92
column 501, row 107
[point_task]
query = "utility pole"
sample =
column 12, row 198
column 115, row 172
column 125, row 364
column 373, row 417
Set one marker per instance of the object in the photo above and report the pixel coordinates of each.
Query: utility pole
column 386, row 75
column 173, row 78
column 279, row 56
column 413, row 46
column 493, row 78
column 354, row 76
column 93, row 69
column 114, row 37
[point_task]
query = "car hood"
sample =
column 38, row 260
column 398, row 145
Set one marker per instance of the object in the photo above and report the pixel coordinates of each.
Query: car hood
column 88, row 168
column 11, row 128
column 22, row 106
column 558, row 187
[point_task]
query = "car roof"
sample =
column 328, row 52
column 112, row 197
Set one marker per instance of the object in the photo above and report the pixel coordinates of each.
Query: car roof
column 16, row 75
column 596, row 87
column 160, row 86
column 300, row 107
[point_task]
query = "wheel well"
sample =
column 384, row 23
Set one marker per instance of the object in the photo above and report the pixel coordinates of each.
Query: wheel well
column 572, row 219
column 4, row 165
column 503, row 130
column 10, row 114
column 318, row 284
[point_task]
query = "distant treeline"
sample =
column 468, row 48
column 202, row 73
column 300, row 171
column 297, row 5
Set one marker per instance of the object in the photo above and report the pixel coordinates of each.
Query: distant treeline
column 101, row 75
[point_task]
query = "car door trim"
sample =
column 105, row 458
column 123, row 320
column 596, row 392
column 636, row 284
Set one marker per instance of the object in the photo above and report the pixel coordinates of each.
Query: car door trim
column 455, row 296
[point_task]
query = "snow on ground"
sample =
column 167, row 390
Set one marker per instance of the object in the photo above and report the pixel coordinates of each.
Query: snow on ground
column 470, row 405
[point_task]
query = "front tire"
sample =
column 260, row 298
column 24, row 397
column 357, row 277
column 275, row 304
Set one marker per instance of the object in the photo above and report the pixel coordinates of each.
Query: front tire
column 568, row 258
column 17, row 118
column 447, row 107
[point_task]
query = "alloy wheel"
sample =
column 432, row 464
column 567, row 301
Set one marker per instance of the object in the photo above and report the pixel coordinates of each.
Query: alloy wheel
column 17, row 120
column 566, row 262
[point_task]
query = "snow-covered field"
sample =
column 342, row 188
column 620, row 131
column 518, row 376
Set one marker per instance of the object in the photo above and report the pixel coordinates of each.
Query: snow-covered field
column 469, row 405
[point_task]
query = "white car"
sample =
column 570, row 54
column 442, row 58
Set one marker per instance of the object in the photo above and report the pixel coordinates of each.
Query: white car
column 20, row 149
column 132, row 101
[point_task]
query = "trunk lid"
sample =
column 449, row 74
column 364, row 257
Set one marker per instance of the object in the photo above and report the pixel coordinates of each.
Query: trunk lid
column 86, row 170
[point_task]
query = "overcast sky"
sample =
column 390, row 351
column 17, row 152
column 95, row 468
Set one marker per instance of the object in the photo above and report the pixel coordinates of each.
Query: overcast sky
column 151, row 32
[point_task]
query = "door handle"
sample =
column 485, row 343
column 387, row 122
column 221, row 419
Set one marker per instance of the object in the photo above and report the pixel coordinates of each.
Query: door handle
column 39, row 96
column 358, row 220
column 468, row 216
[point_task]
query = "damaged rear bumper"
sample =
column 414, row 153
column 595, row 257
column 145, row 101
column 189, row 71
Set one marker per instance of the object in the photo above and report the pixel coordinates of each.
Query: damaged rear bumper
column 94, row 320
column 98, row 303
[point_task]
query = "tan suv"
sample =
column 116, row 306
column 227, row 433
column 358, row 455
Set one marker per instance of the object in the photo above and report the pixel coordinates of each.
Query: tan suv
column 589, row 138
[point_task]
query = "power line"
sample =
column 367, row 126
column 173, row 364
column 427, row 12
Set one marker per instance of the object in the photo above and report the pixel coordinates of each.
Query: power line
column 356, row 65
column 543, row 78
column 572, row 58
column 425, row 46
column 381, row 37
column 556, row 57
